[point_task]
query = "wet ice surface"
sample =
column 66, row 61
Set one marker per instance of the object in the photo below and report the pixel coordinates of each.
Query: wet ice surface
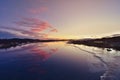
column 109, row 60
column 59, row 61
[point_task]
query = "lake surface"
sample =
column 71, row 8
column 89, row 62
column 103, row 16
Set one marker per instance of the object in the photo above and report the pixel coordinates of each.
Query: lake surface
column 59, row 61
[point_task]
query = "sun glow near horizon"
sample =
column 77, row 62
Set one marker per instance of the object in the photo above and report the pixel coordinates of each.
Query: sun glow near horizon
column 60, row 18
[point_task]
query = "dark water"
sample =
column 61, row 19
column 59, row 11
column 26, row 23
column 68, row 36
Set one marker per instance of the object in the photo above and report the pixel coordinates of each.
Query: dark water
column 58, row 61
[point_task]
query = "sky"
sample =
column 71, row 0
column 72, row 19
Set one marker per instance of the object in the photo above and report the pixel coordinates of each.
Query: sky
column 59, row 18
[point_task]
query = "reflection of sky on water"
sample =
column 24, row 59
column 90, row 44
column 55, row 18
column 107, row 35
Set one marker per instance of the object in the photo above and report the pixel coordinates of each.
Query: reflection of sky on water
column 58, row 61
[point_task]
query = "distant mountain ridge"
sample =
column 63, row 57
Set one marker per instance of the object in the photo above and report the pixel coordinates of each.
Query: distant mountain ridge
column 105, row 42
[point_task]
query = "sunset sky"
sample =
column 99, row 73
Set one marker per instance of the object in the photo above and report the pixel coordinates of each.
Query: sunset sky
column 59, row 18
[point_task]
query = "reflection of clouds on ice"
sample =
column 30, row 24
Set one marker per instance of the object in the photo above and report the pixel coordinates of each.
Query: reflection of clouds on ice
column 44, row 51
column 109, row 60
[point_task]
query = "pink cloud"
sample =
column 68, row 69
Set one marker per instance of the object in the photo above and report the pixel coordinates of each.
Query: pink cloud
column 29, row 22
column 35, row 24
column 31, row 27
column 38, row 10
column 41, row 27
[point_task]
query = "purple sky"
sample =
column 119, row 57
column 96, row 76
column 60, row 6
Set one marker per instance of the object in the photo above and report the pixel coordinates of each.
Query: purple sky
column 59, row 18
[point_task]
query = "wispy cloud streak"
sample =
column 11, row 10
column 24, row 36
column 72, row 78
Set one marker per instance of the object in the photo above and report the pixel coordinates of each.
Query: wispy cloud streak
column 38, row 10
column 31, row 27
